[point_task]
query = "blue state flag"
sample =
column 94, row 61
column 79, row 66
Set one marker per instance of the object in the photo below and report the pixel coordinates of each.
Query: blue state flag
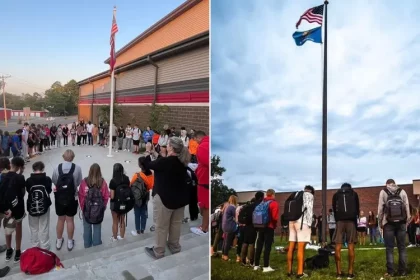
column 314, row 35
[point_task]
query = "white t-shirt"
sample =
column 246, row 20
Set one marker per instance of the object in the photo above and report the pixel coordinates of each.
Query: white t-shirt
column 136, row 134
column 89, row 128
column 128, row 132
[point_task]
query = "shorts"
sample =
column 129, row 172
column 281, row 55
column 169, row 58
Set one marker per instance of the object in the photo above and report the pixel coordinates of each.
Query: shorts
column 69, row 210
column 136, row 142
column 284, row 230
column 361, row 229
column 345, row 229
column 203, row 197
column 250, row 235
column 9, row 224
column 114, row 138
column 299, row 235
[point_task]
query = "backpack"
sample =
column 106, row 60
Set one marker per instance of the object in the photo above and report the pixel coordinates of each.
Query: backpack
column 140, row 192
column 245, row 214
column 345, row 205
column 5, row 193
column 101, row 130
column 261, row 215
column 35, row 261
column 395, row 207
column 293, row 207
column 124, row 199
column 321, row 260
column 65, row 192
column 94, row 208
column 191, row 178
column 215, row 219
column 38, row 201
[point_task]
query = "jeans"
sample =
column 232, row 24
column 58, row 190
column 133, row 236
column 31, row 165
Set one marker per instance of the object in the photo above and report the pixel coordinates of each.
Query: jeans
column 91, row 234
column 120, row 141
column 90, row 139
column 265, row 239
column 66, row 140
column 412, row 233
column 372, row 233
column 140, row 217
column 241, row 235
column 392, row 232
column 127, row 144
column 227, row 242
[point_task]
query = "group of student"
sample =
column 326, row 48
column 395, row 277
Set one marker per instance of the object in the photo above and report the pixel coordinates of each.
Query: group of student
column 256, row 221
column 171, row 181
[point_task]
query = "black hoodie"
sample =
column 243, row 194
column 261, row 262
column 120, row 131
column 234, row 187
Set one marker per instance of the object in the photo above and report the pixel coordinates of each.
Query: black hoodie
column 15, row 194
column 356, row 205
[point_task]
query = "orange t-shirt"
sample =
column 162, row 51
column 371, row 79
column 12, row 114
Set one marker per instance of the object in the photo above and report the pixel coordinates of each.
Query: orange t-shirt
column 193, row 146
column 149, row 181
column 155, row 138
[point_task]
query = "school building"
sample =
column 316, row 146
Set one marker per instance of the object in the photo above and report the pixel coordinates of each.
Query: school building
column 167, row 64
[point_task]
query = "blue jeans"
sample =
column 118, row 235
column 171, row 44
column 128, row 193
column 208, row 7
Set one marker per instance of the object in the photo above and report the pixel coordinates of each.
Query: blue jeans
column 140, row 217
column 91, row 239
column 372, row 233
column 394, row 232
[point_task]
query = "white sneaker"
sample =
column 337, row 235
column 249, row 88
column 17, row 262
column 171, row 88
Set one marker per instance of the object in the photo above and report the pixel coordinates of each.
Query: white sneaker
column 120, row 238
column 59, row 243
column 198, row 231
column 256, row 268
column 267, row 269
column 410, row 246
column 134, row 233
column 70, row 245
column 113, row 239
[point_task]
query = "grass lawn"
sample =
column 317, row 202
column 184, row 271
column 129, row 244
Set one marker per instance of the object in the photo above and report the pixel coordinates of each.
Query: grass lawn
column 369, row 265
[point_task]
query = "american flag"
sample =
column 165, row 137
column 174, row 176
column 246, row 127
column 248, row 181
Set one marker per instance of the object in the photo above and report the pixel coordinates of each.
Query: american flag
column 114, row 30
column 314, row 14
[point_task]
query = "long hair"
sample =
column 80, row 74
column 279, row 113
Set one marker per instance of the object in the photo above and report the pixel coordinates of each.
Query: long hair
column 95, row 176
column 183, row 154
column 143, row 166
column 233, row 200
column 118, row 173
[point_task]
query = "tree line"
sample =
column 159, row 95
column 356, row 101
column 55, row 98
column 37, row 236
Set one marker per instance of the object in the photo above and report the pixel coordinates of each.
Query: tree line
column 219, row 191
column 58, row 99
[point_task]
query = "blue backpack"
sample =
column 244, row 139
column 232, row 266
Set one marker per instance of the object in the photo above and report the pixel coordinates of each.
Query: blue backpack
column 261, row 214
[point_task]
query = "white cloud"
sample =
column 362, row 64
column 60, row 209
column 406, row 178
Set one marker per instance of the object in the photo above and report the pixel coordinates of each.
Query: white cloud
column 267, row 94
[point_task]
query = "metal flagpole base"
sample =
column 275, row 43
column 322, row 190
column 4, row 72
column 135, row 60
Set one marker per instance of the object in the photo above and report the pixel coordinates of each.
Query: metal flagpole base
column 110, row 155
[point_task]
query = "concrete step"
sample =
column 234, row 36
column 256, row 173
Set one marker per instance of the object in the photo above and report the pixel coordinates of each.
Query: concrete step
column 88, row 261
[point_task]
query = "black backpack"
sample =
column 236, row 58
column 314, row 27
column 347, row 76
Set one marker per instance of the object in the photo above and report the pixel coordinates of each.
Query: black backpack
column 38, row 201
column 395, row 207
column 140, row 192
column 191, row 178
column 293, row 207
column 94, row 208
column 245, row 214
column 321, row 260
column 124, row 199
column 66, row 188
column 345, row 206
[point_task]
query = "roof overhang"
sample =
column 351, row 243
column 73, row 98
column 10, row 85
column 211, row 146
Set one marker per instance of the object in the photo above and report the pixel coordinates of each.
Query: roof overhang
column 165, row 20
column 194, row 42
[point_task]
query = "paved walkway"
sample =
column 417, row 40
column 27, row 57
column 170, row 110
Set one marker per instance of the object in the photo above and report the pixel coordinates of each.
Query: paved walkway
column 85, row 157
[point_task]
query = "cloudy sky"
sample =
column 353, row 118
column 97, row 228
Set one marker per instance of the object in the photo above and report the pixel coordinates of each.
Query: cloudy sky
column 267, row 94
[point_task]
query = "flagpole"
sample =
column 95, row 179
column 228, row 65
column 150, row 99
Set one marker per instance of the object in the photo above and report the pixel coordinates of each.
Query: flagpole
column 324, row 129
column 111, row 105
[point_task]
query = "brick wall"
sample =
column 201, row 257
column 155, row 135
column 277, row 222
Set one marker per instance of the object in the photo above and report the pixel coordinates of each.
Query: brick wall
column 192, row 117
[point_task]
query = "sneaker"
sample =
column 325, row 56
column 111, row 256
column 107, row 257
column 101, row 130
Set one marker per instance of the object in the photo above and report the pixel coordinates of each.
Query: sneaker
column 9, row 254
column 340, row 276
column 198, row 231
column 70, row 244
column 304, row 275
column 120, row 238
column 134, row 233
column 256, row 267
column 59, row 243
column 142, row 231
column 350, row 276
column 402, row 274
column 268, row 269
column 17, row 256
column 152, row 228
column 113, row 239
column 410, row 246
column 370, row 244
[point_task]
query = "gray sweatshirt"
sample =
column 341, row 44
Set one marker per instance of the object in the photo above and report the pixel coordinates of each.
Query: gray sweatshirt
column 77, row 175
column 383, row 196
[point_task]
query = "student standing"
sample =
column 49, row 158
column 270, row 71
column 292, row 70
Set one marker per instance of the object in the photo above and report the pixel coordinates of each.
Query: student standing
column 141, row 184
column 362, row 228
column 346, row 209
column 59, row 135
column 372, row 227
column 53, row 133
column 39, row 188
column 120, row 138
column 13, row 194
column 393, row 214
column 229, row 226
column 266, row 235
column 331, row 224
column 300, row 229
column 65, row 135
column 84, row 134
column 89, row 128
column 136, row 138
column 93, row 197
column 95, row 135
column 128, row 138
column 16, row 143
column 66, row 178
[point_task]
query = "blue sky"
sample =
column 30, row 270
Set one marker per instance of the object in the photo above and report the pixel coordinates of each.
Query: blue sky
column 267, row 94
column 49, row 40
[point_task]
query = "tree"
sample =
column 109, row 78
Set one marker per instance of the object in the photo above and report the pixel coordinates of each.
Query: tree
column 157, row 116
column 219, row 191
column 104, row 113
